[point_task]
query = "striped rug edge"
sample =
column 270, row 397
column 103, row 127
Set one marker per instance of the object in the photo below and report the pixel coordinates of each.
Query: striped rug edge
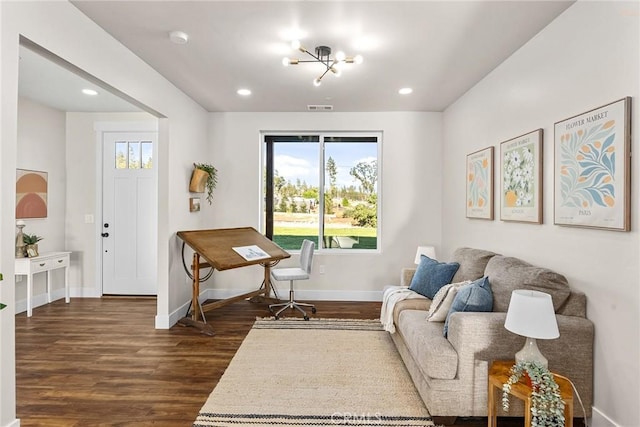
column 333, row 324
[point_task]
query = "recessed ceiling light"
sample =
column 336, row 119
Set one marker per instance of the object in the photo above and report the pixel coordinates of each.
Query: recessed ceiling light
column 405, row 91
column 89, row 92
column 244, row 92
column 179, row 37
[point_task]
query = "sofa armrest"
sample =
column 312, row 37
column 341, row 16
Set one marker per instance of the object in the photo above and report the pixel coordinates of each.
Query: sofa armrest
column 481, row 337
column 406, row 274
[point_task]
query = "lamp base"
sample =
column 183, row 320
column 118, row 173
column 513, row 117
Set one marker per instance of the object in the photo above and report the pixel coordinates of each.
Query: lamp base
column 531, row 353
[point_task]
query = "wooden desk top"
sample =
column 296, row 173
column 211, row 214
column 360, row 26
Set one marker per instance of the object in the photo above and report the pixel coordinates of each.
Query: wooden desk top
column 216, row 246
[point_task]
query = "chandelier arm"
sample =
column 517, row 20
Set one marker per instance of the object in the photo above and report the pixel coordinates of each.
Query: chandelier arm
column 325, row 73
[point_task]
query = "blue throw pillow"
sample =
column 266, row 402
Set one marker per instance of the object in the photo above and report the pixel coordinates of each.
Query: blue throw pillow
column 476, row 296
column 431, row 275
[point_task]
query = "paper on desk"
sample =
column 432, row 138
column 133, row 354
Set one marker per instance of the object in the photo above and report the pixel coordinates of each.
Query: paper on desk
column 251, row 252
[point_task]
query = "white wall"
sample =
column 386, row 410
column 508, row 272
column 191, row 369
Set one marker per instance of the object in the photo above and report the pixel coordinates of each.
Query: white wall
column 585, row 58
column 41, row 147
column 59, row 27
column 411, row 180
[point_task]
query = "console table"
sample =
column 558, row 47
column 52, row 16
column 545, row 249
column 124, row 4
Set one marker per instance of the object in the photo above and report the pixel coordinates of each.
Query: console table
column 46, row 261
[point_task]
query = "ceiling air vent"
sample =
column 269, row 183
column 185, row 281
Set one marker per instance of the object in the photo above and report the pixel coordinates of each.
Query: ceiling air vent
column 320, row 107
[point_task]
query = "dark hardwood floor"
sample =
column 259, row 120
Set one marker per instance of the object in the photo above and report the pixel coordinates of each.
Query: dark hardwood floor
column 100, row 362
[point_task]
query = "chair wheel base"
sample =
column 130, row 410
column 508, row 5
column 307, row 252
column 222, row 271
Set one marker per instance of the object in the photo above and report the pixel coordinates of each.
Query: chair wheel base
column 313, row 310
column 306, row 317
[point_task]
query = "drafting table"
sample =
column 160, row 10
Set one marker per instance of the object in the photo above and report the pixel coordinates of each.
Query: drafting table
column 216, row 247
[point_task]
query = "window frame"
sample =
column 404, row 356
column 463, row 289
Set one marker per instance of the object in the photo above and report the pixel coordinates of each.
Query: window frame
column 322, row 136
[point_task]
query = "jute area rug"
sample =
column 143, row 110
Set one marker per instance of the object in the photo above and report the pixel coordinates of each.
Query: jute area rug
column 321, row 372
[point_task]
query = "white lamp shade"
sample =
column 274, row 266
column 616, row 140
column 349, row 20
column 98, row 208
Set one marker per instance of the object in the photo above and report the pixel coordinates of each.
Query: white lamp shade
column 531, row 315
column 429, row 251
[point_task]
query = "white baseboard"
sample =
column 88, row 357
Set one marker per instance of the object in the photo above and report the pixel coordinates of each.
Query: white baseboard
column 81, row 292
column 14, row 423
column 166, row 322
column 312, row 295
column 599, row 419
column 39, row 300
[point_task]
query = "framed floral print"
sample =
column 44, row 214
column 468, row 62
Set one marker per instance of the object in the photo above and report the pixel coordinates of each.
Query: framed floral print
column 592, row 171
column 480, row 184
column 521, row 179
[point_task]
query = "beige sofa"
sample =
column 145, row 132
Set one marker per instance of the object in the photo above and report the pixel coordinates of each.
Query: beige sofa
column 451, row 373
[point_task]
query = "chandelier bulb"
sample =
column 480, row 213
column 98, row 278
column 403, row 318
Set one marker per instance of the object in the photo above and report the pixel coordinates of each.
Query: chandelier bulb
column 285, row 62
column 336, row 71
column 295, row 44
column 358, row 59
column 317, row 82
column 340, row 56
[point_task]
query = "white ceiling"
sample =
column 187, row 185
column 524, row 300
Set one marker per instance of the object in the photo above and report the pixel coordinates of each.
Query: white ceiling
column 49, row 83
column 439, row 48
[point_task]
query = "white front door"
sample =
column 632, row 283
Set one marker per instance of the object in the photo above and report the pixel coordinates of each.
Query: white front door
column 129, row 217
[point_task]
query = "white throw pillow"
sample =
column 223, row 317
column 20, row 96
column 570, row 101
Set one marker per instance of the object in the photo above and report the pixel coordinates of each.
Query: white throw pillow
column 442, row 301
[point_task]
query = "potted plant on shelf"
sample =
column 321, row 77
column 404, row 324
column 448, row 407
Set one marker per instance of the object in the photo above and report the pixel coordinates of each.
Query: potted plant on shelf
column 204, row 176
column 31, row 240
column 547, row 406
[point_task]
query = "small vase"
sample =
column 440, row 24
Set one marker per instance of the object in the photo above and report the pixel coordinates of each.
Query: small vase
column 32, row 250
column 198, row 181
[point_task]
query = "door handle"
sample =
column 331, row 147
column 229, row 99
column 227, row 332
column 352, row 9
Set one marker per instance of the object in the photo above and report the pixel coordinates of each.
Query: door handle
column 105, row 234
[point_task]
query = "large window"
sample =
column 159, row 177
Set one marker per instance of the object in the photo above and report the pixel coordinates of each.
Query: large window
column 322, row 187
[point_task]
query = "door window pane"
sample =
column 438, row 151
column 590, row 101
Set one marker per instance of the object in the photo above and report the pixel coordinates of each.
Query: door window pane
column 134, row 155
column 147, row 154
column 121, row 155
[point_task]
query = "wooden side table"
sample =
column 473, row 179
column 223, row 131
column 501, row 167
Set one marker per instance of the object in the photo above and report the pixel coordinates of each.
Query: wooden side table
column 499, row 374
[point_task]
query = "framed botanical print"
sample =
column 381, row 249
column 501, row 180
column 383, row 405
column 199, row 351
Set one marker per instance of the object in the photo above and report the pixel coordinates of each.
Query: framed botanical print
column 521, row 178
column 480, row 184
column 592, row 168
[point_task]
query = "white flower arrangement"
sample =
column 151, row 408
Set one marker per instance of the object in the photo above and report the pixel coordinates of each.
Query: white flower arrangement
column 547, row 406
column 518, row 177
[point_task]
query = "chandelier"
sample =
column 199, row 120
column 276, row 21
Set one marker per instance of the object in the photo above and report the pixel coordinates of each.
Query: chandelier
column 323, row 56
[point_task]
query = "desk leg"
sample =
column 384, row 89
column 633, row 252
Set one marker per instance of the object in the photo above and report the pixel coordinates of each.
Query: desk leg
column 29, row 294
column 195, row 304
column 267, row 280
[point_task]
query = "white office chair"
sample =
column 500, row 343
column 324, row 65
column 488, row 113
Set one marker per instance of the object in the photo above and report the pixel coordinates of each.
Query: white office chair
column 295, row 273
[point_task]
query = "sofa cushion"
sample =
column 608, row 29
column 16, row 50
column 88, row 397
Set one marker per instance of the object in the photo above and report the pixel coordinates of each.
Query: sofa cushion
column 442, row 301
column 475, row 296
column 472, row 263
column 433, row 353
column 431, row 275
column 507, row 274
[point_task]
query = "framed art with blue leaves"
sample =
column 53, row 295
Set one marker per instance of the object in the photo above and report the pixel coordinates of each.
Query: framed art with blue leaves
column 593, row 169
column 480, row 184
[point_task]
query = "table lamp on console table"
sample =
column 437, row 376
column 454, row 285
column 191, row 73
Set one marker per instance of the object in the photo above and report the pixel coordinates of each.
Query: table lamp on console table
column 531, row 315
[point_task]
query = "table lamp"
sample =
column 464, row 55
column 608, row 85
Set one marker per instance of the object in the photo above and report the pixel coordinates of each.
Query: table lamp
column 531, row 315
column 429, row 251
